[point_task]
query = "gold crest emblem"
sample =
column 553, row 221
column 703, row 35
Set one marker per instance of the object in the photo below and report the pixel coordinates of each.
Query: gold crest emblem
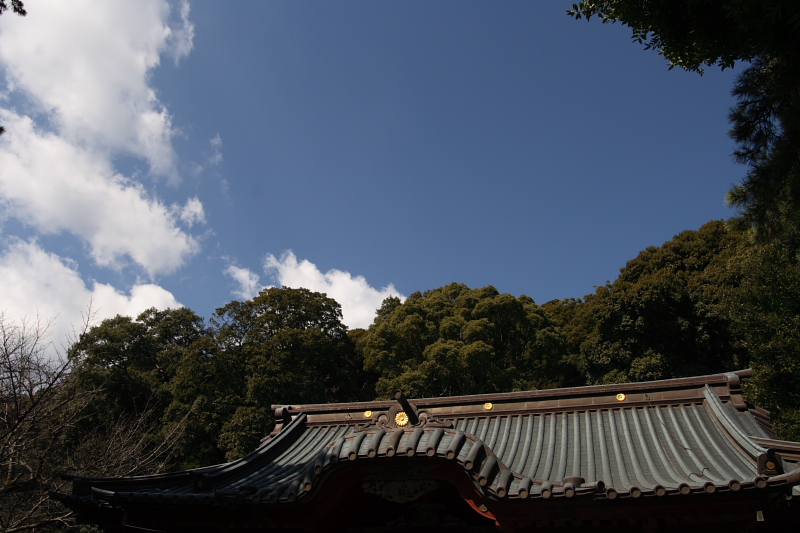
column 401, row 419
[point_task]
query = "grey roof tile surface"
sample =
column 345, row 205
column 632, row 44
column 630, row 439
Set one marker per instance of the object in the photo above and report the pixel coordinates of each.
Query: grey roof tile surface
column 700, row 445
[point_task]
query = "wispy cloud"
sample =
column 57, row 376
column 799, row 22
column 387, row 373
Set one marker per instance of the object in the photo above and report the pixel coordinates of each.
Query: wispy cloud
column 181, row 39
column 212, row 158
column 247, row 281
column 216, row 150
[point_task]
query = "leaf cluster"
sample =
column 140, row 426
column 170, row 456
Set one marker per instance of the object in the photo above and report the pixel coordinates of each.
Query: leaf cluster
column 691, row 34
column 766, row 127
column 660, row 318
column 765, row 314
column 456, row 340
column 16, row 7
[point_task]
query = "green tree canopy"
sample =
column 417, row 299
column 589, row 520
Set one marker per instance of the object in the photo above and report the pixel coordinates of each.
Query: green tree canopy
column 133, row 366
column 661, row 318
column 765, row 314
column 133, row 361
column 455, row 340
column 691, row 33
column 766, row 128
column 285, row 345
column 219, row 381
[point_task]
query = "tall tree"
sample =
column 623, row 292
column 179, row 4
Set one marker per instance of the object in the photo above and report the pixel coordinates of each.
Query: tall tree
column 456, row 340
column 132, row 365
column 218, row 382
column 575, row 319
column 766, row 120
column 134, row 361
column 766, row 127
column 661, row 318
column 289, row 346
column 765, row 313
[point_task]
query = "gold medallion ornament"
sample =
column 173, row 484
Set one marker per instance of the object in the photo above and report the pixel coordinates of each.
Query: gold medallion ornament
column 488, row 406
column 367, row 414
column 401, row 419
column 621, row 397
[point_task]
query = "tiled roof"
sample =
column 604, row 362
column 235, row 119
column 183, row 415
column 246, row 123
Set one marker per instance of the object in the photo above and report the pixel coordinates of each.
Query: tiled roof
column 668, row 439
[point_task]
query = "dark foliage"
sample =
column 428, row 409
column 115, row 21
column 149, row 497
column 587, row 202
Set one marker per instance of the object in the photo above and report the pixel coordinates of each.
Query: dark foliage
column 661, row 319
column 16, row 6
column 455, row 340
column 766, row 126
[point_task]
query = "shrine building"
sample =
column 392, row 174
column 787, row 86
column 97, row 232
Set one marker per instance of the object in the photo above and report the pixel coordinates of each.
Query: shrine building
column 678, row 455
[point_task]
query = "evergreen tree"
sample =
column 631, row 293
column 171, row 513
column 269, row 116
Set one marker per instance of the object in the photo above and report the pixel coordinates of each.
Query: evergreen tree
column 765, row 314
column 455, row 340
column 766, row 120
column 661, row 318
column 285, row 345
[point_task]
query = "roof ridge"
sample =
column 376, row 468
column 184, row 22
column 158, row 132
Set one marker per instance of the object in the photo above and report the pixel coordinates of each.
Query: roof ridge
column 730, row 379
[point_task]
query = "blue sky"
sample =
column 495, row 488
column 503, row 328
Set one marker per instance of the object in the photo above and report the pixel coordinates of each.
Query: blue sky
column 173, row 153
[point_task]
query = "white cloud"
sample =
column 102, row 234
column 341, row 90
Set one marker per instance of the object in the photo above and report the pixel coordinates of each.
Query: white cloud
column 85, row 64
column 193, row 212
column 56, row 186
column 247, row 281
column 358, row 299
column 38, row 283
column 80, row 71
column 182, row 38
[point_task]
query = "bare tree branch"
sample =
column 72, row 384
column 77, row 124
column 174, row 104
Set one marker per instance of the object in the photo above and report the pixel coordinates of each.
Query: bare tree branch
column 41, row 409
